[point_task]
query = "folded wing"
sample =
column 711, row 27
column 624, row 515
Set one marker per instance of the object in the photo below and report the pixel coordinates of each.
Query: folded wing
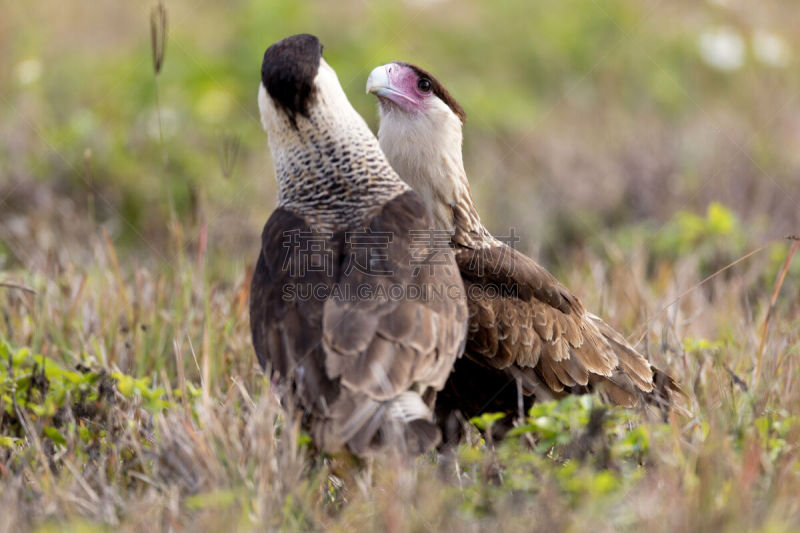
column 526, row 324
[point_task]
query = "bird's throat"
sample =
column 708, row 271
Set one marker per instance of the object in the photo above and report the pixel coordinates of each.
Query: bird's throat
column 429, row 159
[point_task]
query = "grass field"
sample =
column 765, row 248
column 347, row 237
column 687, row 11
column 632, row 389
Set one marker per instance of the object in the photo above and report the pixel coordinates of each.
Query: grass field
column 636, row 147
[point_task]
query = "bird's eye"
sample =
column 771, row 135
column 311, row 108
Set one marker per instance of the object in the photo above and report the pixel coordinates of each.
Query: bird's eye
column 424, row 85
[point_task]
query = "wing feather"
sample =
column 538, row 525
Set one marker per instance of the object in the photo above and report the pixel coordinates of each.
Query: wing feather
column 537, row 324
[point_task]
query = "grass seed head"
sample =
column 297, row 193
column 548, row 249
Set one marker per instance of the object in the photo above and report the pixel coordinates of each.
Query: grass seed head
column 158, row 35
column 228, row 152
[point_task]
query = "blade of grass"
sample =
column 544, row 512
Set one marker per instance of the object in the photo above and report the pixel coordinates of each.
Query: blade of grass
column 120, row 280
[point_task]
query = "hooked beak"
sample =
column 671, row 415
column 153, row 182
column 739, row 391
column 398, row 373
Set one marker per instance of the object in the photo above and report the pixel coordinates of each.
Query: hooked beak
column 379, row 84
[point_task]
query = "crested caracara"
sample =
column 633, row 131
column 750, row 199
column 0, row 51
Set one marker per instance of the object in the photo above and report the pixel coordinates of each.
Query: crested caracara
column 329, row 314
column 524, row 326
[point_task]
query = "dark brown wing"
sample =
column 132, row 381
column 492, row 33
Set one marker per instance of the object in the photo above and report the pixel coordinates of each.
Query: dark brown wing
column 286, row 326
column 366, row 357
column 525, row 323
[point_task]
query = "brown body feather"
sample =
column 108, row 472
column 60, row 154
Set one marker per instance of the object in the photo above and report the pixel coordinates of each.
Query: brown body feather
column 359, row 368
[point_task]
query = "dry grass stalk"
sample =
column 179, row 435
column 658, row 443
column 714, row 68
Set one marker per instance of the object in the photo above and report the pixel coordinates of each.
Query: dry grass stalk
column 645, row 327
column 118, row 277
column 773, row 301
column 17, row 286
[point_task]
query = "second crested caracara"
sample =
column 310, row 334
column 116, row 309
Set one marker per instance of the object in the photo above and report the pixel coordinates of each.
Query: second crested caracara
column 524, row 327
column 332, row 312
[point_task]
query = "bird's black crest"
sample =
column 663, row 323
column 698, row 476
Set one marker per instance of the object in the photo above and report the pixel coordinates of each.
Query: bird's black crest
column 439, row 90
column 288, row 71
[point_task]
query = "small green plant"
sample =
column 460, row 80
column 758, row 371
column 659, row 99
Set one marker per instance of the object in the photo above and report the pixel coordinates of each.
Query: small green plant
column 717, row 233
column 694, row 345
column 485, row 421
column 577, row 445
column 82, row 409
column 578, row 426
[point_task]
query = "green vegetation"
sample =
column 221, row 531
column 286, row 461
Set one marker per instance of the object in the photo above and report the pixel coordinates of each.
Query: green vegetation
column 636, row 147
column 83, row 411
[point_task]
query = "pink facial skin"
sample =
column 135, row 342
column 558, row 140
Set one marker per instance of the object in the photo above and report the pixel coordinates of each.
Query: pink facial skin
column 404, row 88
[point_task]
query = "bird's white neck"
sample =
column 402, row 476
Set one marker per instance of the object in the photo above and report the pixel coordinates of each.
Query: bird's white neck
column 425, row 150
column 328, row 164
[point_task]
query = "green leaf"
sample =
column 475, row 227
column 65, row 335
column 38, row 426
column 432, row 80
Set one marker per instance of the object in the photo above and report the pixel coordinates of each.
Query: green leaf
column 8, row 442
column 125, row 384
column 303, row 439
column 54, row 435
column 721, row 220
column 486, row 420
column 215, row 498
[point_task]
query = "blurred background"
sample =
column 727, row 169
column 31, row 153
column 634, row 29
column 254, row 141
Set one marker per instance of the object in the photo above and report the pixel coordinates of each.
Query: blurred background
column 670, row 123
